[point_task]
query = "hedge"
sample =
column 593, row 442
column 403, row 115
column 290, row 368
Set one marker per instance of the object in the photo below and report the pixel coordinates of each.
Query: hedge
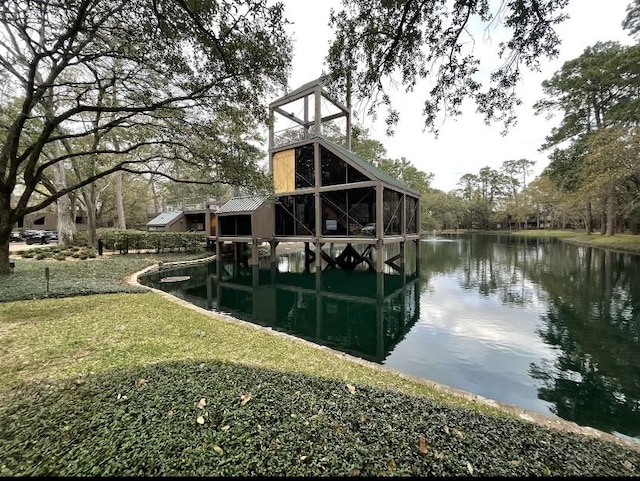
column 127, row 240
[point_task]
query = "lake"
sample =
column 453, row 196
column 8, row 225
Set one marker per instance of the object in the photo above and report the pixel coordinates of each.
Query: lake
column 534, row 322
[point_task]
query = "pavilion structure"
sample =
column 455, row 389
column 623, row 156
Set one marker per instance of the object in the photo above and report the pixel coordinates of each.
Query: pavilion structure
column 343, row 208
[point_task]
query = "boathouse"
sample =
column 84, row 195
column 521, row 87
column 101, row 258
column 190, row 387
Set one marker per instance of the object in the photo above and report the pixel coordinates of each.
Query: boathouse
column 325, row 194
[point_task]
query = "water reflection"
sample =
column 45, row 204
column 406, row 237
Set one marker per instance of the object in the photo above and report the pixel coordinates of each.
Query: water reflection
column 534, row 322
column 360, row 313
column 587, row 302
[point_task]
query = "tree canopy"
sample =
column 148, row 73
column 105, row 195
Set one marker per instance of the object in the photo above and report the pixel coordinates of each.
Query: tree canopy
column 137, row 82
column 379, row 43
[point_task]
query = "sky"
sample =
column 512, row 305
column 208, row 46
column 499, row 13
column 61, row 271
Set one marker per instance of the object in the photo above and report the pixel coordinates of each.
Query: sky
column 465, row 144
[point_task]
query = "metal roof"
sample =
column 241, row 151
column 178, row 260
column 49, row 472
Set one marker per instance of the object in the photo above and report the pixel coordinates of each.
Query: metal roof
column 308, row 86
column 245, row 204
column 370, row 168
column 165, row 218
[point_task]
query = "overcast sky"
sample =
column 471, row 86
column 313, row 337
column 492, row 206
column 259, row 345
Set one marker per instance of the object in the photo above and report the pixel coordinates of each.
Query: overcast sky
column 465, row 144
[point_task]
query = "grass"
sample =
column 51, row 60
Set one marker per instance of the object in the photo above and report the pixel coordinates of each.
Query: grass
column 82, row 277
column 562, row 233
column 132, row 384
column 65, row 338
column 620, row 242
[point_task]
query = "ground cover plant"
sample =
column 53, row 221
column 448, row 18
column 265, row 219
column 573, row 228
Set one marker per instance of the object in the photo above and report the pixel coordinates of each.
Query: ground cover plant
column 219, row 419
column 56, row 252
column 134, row 384
column 78, row 277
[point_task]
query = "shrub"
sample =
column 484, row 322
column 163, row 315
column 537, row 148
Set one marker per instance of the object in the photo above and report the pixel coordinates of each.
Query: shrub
column 137, row 240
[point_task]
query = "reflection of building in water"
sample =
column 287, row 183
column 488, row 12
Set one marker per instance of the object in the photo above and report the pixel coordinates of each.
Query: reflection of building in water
column 361, row 313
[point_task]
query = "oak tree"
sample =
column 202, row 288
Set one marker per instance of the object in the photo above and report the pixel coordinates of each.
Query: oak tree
column 138, row 82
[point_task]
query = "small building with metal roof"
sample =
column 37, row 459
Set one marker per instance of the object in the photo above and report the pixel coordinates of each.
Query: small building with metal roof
column 245, row 219
column 166, row 221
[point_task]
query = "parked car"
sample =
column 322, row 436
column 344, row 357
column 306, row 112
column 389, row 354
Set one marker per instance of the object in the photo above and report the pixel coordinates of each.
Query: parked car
column 369, row 229
column 39, row 236
column 15, row 236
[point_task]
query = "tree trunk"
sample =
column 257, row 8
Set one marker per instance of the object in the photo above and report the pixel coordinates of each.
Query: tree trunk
column 89, row 197
column 6, row 225
column 589, row 219
column 119, row 202
column 66, row 218
column 611, row 216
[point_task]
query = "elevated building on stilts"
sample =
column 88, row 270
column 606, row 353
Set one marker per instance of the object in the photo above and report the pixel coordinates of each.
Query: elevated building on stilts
column 344, row 209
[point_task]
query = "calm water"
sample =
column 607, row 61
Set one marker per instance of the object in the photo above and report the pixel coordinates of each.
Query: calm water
column 537, row 323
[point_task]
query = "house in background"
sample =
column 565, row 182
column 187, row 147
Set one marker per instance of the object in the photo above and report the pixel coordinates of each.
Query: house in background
column 324, row 193
column 198, row 216
column 48, row 220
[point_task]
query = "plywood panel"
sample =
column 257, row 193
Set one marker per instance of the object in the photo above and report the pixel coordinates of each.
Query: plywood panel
column 284, row 175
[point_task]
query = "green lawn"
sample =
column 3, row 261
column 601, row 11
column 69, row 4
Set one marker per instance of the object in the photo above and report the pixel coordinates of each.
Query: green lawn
column 134, row 384
column 79, row 277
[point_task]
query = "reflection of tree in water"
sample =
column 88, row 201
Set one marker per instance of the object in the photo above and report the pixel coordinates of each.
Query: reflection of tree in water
column 490, row 265
column 593, row 321
column 592, row 318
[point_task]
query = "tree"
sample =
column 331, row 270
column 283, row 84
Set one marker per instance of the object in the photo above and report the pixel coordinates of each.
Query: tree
column 611, row 169
column 632, row 21
column 380, row 42
column 514, row 170
column 149, row 76
column 598, row 90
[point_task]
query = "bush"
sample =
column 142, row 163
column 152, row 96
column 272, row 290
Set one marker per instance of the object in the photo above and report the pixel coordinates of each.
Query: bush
column 128, row 240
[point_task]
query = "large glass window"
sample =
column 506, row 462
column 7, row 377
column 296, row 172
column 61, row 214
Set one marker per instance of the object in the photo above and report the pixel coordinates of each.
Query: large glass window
column 349, row 212
column 295, row 215
column 412, row 215
column 354, row 175
column 334, row 169
column 393, row 210
column 304, row 167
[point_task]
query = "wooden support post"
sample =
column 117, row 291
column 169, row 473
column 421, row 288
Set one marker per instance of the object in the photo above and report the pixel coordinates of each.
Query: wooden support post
column 318, row 255
column 219, row 260
column 379, row 256
column 254, row 253
column 402, row 259
column 274, row 256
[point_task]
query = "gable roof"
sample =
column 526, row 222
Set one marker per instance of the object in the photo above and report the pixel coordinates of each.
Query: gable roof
column 370, row 168
column 164, row 219
column 242, row 205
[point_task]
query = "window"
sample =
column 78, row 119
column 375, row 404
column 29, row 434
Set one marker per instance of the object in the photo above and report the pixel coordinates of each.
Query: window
column 295, row 215
column 305, row 176
column 334, row 169
column 393, row 210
